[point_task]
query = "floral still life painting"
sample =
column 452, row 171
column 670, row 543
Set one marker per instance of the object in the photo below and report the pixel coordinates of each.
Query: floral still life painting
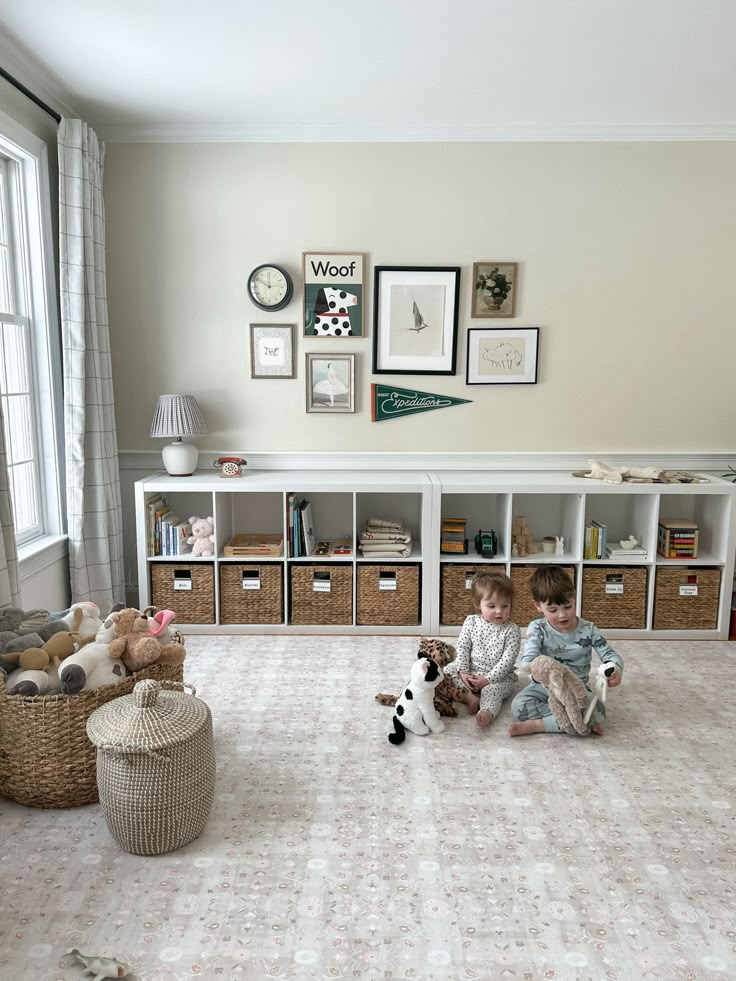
column 330, row 383
column 494, row 289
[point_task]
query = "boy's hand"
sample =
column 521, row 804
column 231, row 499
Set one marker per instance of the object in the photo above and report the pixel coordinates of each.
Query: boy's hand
column 615, row 680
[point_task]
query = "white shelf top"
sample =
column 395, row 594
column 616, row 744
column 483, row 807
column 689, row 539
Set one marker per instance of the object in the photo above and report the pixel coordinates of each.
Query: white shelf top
column 530, row 482
column 378, row 481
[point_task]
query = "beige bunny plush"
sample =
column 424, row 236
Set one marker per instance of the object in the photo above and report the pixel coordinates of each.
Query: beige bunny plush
column 568, row 696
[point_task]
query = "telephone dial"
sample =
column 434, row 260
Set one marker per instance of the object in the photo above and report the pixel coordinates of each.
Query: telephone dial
column 230, row 466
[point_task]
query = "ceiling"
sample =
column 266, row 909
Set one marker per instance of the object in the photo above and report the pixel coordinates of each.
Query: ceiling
column 381, row 69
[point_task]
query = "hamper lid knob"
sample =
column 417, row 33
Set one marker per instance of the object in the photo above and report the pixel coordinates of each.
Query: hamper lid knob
column 146, row 693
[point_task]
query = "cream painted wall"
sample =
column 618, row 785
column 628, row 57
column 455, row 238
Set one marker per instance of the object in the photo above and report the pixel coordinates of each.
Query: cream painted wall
column 627, row 254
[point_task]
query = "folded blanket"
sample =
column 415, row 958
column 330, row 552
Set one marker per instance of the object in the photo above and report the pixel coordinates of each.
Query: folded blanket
column 384, row 536
column 377, row 550
column 380, row 524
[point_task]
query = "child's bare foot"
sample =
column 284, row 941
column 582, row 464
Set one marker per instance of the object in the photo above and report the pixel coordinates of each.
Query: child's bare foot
column 526, row 728
column 483, row 719
column 597, row 729
column 473, row 703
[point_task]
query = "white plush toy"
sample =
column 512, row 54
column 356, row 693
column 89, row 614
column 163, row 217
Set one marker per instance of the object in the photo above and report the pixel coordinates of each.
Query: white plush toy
column 28, row 682
column 600, row 688
column 90, row 667
column 415, row 709
column 90, row 621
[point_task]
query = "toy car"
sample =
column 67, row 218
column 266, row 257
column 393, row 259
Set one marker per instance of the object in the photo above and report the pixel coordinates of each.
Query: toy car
column 486, row 543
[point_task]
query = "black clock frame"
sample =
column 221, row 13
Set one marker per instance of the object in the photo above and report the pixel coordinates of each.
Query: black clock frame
column 289, row 288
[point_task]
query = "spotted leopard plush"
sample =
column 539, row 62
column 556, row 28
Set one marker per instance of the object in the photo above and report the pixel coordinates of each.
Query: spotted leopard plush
column 442, row 653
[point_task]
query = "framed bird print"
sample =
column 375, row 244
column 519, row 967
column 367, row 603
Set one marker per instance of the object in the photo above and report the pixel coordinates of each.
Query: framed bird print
column 415, row 312
column 271, row 350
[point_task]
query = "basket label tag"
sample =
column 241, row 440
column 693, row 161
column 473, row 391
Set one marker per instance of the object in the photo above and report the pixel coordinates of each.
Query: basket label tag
column 321, row 582
column 183, row 579
column 251, row 579
column 614, row 584
column 387, row 580
column 689, row 589
column 469, row 579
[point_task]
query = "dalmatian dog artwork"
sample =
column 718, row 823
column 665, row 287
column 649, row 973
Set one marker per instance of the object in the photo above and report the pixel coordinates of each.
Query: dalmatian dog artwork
column 331, row 317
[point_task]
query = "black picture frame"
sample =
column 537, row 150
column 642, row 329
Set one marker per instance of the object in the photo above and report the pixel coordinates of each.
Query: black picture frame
column 407, row 301
column 502, row 356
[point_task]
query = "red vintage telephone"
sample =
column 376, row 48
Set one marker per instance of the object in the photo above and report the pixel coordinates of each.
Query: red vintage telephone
column 230, row 466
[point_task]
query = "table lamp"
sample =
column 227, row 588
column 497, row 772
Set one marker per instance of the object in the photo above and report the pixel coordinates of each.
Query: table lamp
column 178, row 416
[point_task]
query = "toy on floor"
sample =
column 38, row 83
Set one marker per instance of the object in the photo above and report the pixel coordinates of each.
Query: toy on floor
column 568, row 697
column 600, row 688
column 442, row 654
column 102, row 967
column 415, row 709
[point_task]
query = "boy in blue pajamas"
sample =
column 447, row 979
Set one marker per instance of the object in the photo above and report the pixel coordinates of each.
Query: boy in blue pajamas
column 559, row 634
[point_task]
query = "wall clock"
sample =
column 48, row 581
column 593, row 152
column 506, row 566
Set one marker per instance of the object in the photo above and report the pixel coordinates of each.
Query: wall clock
column 270, row 287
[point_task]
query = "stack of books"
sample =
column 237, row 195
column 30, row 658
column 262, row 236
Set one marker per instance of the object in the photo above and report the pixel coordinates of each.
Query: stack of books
column 596, row 537
column 615, row 551
column 677, row 538
column 299, row 527
column 166, row 533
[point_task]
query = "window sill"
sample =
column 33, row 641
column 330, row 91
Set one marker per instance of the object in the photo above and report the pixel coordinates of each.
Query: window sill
column 40, row 553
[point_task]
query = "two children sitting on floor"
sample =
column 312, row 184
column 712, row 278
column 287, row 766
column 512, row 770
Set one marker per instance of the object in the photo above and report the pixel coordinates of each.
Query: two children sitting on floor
column 483, row 675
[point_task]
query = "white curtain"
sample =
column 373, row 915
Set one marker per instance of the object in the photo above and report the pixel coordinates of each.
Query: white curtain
column 92, row 478
column 9, row 589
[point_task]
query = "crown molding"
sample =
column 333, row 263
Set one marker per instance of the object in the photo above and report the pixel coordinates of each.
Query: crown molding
column 35, row 78
column 411, row 133
column 149, row 461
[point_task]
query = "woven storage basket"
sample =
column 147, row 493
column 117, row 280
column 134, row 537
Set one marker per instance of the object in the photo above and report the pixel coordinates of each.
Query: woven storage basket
column 456, row 601
column 523, row 610
column 673, row 611
column 195, row 605
column 310, row 605
column 264, row 604
column 605, row 606
column 397, row 606
column 46, row 759
column 155, row 767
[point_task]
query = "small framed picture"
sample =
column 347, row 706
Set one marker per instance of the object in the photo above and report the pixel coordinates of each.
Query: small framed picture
column 415, row 316
column 330, row 382
column 495, row 285
column 502, row 356
column 271, row 350
column 333, row 294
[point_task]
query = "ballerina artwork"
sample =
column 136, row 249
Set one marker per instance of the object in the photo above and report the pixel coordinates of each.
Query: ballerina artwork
column 332, row 392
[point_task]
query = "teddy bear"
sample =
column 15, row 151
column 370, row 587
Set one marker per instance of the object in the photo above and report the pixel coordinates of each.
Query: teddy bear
column 137, row 646
column 442, row 653
column 202, row 538
column 568, row 696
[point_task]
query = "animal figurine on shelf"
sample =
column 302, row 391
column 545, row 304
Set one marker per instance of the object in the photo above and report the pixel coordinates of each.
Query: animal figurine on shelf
column 415, row 709
column 600, row 688
column 568, row 696
column 202, row 538
column 441, row 653
column 559, row 545
column 101, row 967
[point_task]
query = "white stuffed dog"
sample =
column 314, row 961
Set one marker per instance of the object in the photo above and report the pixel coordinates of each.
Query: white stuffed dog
column 415, row 709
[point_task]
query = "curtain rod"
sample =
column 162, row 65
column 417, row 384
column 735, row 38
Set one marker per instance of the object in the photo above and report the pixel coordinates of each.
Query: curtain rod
column 29, row 95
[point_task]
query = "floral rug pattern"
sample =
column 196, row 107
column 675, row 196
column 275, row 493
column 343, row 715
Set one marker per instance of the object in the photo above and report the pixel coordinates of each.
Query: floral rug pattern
column 331, row 854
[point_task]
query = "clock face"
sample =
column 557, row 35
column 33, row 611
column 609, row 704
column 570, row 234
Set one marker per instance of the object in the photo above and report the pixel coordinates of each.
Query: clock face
column 270, row 287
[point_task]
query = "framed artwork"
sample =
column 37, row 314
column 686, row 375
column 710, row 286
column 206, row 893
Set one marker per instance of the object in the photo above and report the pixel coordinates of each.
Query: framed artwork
column 330, row 382
column 495, row 285
column 502, row 356
column 271, row 350
column 415, row 320
column 333, row 294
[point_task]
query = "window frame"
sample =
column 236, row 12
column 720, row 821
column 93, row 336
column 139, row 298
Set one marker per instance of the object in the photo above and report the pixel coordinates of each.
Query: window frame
column 28, row 155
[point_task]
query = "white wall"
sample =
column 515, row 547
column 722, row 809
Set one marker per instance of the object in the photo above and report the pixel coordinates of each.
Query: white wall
column 626, row 256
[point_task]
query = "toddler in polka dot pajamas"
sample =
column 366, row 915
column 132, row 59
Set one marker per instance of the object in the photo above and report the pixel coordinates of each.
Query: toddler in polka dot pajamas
column 482, row 674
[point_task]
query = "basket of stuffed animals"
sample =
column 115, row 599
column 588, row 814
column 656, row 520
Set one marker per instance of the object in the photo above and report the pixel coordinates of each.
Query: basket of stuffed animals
column 46, row 758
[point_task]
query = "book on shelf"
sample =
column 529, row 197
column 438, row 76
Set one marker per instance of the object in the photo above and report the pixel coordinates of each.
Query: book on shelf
column 616, row 552
column 341, row 546
column 307, row 527
column 602, row 541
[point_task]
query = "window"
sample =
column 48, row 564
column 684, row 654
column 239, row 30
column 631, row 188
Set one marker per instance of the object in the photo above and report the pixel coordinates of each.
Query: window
column 29, row 345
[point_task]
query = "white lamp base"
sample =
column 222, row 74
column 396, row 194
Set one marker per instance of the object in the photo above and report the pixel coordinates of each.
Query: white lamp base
column 180, row 459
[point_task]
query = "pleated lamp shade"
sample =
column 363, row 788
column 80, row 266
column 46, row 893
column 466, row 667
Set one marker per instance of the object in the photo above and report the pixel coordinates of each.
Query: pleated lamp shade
column 177, row 416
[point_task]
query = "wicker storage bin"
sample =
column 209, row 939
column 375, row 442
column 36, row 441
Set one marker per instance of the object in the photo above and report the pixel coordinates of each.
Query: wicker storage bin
column 523, row 610
column 155, row 767
column 46, row 759
column 322, row 594
column 188, row 590
column 397, row 605
column 615, row 596
column 675, row 608
column 252, row 593
column 455, row 594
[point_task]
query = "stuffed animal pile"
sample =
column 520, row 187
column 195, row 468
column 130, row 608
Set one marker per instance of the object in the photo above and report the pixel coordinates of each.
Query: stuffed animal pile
column 91, row 654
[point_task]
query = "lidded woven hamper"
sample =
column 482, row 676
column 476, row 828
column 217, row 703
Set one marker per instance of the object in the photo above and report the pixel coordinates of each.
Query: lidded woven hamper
column 155, row 766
